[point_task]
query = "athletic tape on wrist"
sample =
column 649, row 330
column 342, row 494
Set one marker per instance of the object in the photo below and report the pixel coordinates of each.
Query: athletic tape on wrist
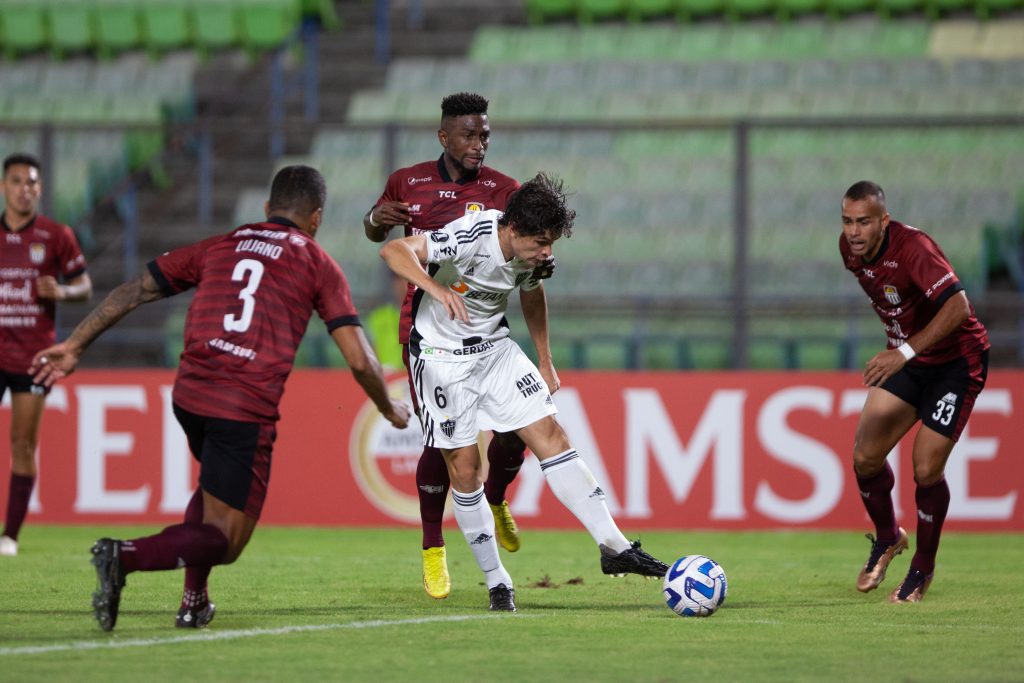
column 907, row 350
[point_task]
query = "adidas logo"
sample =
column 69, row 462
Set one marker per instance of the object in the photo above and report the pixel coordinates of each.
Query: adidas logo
column 598, row 493
column 950, row 398
column 471, row 271
column 482, row 538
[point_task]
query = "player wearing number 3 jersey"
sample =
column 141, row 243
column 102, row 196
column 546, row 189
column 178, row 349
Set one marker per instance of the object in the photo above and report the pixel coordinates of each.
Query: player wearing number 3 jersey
column 256, row 288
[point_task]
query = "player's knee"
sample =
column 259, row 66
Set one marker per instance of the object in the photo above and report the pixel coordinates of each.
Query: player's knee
column 926, row 473
column 23, row 451
column 865, row 464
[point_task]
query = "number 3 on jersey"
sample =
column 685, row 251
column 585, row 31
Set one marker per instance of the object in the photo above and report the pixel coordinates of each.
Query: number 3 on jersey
column 249, row 271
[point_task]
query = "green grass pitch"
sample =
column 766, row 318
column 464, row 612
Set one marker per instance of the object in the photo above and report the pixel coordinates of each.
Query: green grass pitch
column 347, row 605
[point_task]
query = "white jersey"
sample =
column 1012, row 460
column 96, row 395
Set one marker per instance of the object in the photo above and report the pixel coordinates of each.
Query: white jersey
column 465, row 257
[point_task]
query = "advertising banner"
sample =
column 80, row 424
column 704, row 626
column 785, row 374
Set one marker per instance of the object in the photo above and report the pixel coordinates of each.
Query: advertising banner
column 672, row 450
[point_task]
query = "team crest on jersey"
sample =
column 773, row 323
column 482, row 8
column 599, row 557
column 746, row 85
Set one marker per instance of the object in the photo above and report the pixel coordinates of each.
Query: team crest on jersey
column 474, row 207
column 37, row 253
column 448, row 427
column 891, row 294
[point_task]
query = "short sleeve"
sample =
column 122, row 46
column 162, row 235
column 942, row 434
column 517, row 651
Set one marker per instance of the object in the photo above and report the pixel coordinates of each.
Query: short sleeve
column 442, row 246
column 333, row 297
column 932, row 272
column 181, row 269
column 392, row 190
column 72, row 262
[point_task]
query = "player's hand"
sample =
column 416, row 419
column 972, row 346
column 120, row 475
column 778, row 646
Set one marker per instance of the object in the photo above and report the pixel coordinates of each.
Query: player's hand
column 452, row 303
column 550, row 376
column 391, row 213
column 47, row 287
column 399, row 414
column 883, row 366
column 544, row 270
column 54, row 363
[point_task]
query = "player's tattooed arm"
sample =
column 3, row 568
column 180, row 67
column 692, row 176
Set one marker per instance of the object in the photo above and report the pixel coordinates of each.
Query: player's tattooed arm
column 60, row 360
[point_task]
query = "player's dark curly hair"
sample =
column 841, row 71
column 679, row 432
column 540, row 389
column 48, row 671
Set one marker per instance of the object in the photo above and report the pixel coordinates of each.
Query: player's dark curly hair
column 463, row 104
column 20, row 158
column 863, row 189
column 539, row 207
column 298, row 188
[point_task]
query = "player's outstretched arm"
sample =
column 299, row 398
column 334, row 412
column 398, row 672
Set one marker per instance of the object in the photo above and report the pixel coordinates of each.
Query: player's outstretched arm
column 60, row 360
column 953, row 313
column 535, row 311
column 366, row 369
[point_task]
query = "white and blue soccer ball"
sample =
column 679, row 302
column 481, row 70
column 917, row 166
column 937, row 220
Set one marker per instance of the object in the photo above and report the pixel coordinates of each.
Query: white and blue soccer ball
column 695, row 586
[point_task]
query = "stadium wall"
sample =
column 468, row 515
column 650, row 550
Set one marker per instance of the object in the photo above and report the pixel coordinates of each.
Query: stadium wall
column 735, row 450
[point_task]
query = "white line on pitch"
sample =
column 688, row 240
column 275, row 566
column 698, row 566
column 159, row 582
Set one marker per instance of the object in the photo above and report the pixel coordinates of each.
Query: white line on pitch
column 231, row 635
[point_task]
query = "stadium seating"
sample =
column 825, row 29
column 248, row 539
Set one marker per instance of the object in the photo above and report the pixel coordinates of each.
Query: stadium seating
column 654, row 200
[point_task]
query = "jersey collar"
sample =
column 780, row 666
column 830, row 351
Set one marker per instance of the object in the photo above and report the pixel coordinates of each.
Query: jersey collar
column 443, row 172
column 7, row 228
column 280, row 220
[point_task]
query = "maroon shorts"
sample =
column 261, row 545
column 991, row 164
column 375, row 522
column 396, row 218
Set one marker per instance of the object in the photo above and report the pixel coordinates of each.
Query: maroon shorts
column 943, row 394
column 20, row 384
column 234, row 458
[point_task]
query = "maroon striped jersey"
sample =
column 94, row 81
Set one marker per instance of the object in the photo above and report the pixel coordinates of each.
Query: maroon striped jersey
column 43, row 247
column 435, row 200
column 256, row 288
column 908, row 281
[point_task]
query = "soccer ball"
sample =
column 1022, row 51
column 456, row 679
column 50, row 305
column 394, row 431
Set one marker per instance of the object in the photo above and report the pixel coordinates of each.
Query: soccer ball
column 695, row 586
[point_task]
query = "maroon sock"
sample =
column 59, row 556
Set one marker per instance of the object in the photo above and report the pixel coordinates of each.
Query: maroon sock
column 505, row 456
column 932, row 505
column 876, row 494
column 181, row 545
column 432, row 484
column 195, row 592
column 17, row 503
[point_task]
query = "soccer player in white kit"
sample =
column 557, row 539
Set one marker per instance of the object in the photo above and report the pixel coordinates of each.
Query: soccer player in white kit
column 469, row 375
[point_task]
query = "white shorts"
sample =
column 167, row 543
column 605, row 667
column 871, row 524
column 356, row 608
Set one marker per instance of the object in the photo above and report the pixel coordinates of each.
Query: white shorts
column 502, row 391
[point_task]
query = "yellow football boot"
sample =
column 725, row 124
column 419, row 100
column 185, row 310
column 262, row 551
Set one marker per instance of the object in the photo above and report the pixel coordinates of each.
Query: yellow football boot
column 505, row 527
column 436, row 581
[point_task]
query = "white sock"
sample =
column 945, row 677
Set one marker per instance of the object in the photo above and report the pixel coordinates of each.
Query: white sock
column 476, row 521
column 572, row 482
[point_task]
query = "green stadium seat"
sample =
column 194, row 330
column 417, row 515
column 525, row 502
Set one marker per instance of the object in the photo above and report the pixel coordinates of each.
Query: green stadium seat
column 645, row 10
column 165, row 25
column 744, row 9
column 215, row 25
column 71, row 26
column 841, row 8
column 789, row 9
column 23, row 23
column 323, row 11
column 268, row 24
column 985, row 9
column 117, row 27
column 688, row 10
column 588, row 11
column 541, row 11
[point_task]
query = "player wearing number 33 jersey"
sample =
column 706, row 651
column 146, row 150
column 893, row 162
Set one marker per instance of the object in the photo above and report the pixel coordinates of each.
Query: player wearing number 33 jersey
column 236, row 359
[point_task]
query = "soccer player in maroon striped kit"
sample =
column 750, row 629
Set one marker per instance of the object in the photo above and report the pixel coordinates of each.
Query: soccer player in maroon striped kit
column 932, row 370
column 40, row 264
column 423, row 198
column 256, row 288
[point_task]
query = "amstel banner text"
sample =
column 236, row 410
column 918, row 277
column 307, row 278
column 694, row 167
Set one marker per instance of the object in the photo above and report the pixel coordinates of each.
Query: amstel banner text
column 670, row 450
